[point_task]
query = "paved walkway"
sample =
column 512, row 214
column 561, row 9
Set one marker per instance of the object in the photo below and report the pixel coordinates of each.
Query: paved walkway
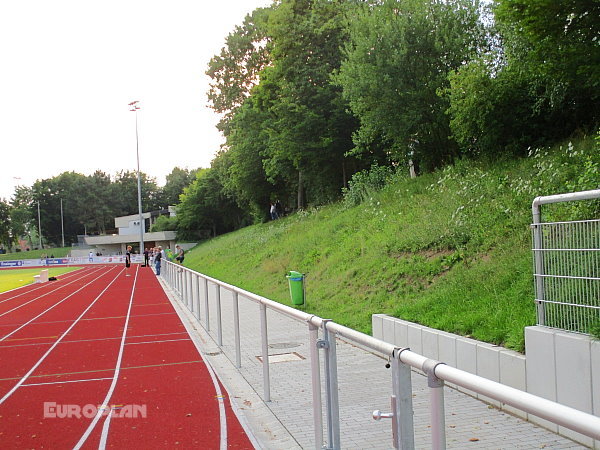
column 364, row 385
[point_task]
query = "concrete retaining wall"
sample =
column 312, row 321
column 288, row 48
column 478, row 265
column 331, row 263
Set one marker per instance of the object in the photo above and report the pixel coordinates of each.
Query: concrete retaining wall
column 559, row 366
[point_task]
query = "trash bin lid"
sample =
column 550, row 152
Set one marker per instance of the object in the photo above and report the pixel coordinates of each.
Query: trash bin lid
column 294, row 274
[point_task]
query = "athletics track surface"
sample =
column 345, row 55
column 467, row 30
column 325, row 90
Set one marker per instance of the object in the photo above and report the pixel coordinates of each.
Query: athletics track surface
column 105, row 350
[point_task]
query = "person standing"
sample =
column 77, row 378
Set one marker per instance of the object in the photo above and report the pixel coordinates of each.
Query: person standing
column 128, row 260
column 273, row 212
column 146, row 257
column 157, row 260
column 180, row 254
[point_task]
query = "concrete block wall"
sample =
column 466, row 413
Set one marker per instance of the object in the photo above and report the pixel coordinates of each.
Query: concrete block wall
column 559, row 366
column 564, row 367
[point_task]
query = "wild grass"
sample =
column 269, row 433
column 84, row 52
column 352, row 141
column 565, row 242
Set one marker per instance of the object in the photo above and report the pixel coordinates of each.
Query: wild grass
column 450, row 250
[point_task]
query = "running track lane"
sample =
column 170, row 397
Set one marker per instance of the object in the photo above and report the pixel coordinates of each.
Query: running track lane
column 130, row 350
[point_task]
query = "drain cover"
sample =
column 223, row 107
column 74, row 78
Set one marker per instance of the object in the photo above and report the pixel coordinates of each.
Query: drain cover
column 283, row 357
column 284, row 345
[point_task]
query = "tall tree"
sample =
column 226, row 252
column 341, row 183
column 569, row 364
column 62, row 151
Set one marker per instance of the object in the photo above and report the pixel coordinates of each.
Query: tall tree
column 99, row 195
column 126, row 194
column 398, row 58
column 235, row 71
column 204, row 208
column 176, row 182
column 310, row 130
column 241, row 168
column 6, row 238
column 21, row 219
column 556, row 43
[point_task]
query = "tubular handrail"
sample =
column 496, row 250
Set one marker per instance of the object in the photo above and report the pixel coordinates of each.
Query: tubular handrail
column 584, row 423
column 558, row 198
column 554, row 412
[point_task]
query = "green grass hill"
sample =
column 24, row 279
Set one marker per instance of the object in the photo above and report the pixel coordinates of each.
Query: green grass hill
column 449, row 250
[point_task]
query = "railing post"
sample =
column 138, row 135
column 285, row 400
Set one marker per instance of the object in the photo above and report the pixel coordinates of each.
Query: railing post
column 173, row 279
column 206, row 311
column 315, row 370
column 333, row 408
column 265, row 352
column 189, row 290
column 197, row 296
column 538, row 257
column 402, row 390
column 219, row 324
column 184, row 282
column 236, row 330
column 436, row 403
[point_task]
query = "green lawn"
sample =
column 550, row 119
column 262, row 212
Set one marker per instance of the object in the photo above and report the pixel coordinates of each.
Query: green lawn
column 36, row 254
column 14, row 278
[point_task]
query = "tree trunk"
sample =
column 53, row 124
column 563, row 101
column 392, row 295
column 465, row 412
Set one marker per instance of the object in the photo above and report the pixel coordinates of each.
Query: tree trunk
column 300, row 191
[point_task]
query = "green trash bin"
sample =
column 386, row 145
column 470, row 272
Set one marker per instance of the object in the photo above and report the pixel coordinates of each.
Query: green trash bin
column 296, row 280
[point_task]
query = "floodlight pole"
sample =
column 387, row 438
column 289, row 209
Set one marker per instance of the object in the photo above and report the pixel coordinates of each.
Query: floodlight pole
column 62, row 223
column 133, row 106
column 40, row 225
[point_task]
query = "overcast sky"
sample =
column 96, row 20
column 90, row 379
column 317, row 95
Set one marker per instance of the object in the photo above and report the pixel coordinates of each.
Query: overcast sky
column 70, row 67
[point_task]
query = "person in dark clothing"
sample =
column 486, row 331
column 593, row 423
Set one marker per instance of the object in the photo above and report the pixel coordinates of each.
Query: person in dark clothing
column 146, row 257
column 128, row 260
column 157, row 260
column 180, row 255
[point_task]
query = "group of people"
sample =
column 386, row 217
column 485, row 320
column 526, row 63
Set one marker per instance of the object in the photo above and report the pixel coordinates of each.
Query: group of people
column 154, row 257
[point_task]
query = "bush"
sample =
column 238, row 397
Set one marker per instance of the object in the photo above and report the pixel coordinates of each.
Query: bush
column 365, row 183
column 164, row 223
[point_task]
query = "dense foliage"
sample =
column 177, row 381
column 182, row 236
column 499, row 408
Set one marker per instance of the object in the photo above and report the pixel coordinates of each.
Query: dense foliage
column 315, row 91
column 88, row 203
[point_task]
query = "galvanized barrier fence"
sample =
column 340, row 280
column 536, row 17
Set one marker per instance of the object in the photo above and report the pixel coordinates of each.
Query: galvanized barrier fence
column 567, row 268
column 193, row 289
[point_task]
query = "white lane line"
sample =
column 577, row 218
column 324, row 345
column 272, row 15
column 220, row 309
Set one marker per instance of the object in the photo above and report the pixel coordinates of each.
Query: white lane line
column 77, row 272
column 109, row 394
column 105, row 428
column 222, row 414
column 39, row 296
column 63, row 382
column 53, row 306
column 22, row 380
column 96, row 318
column 156, row 342
column 91, row 340
column 179, row 310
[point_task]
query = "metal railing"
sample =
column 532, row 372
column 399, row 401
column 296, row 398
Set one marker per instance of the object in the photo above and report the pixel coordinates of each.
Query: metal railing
column 193, row 289
column 567, row 268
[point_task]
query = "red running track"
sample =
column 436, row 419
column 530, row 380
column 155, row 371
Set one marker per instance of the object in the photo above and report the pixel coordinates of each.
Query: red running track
column 99, row 359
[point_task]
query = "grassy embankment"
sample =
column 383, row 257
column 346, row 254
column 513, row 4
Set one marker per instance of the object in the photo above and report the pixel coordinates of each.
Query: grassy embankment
column 450, row 250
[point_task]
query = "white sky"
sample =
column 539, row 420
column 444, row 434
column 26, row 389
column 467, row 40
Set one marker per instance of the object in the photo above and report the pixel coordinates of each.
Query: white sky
column 68, row 69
